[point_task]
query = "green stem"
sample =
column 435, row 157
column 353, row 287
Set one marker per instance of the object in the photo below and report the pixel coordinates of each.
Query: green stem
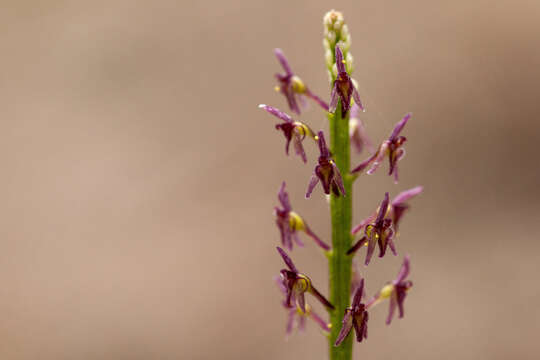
column 341, row 212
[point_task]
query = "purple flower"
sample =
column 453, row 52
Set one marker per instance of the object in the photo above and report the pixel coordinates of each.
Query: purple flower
column 292, row 130
column 326, row 171
column 396, row 291
column 357, row 132
column 343, row 88
column 295, row 314
column 395, row 211
column 297, row 285
column 355, row 316
column 391, row 148
column 292, row 87
column 290, row 222
column 379, row 232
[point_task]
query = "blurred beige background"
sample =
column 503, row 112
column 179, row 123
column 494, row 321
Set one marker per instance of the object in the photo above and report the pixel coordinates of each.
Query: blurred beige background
column 138, row 176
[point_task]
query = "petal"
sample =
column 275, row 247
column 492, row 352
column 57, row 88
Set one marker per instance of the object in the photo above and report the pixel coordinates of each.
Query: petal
column 314, row 180
column 311, row 234
column 383, row 208
column 338, row 179
column 363, row 223
column 323, row 149
column 290, row 321
column 301, row 300
column 276, row 112
column 377, row 159
column 364, row 164
column 299, row 148
column 356, row 97
column 283, row 61
column 345, row 328
column 392, row 308
column 296, row 238
column 340, row 64
column 317, row 99
column 371, row 248
column 315, row 317
column 320, row 297
column 404, row 270
column 358, row 294
column 406, row 195
column 390, row 241
column 287, row 259
column 283, row 197
column 399, row 126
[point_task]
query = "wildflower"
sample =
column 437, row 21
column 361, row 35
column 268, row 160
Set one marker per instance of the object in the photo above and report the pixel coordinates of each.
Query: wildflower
column 297, row 285
column 355, row 316
column 395, row 210
column 396, row 291
column 391, row 147
column 292, row 130
column 326, row 171
column 379, row 232
column 290, row 222
column 293, row 87
column 295, row 314
column 357, row 133
column 343, row 87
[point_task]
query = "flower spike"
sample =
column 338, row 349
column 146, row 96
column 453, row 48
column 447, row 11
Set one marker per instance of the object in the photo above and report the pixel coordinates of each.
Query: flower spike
column 379, row 232
column 398, row 206
column 289, row 223
column 298, row 284
column 292, row 87
column 343, row 88
column 292, row 130
column 355, row 316
column 326, row 172
column 391, row 148
column 396, row 291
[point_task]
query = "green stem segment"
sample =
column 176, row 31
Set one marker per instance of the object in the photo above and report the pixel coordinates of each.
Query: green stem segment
column 341, row 211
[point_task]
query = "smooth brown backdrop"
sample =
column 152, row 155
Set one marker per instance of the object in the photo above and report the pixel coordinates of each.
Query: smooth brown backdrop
column 138, row 176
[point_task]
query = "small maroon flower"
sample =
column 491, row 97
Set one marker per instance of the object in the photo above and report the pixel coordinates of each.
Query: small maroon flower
column 379, row 232
column 326, row 171
column 396, row 291
column 343, row 88
column 357, row 132
column 295, row 314
column 355, row 316
column 297, row 285
column 292, row 87
column 292, row 130
column 395, row 211
column 289, row 223
column 391, row 148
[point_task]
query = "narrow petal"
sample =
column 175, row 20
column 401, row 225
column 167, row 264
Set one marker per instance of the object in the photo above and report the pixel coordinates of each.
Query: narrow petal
column 315, row 317
column 383, row 208
column 338, row 179
column 392, row 308
column 296, row 239
column 399, row 126
column 379, row 158
column 358, row 294
column 364, row 223
column 287, row 260
column 301, row 323
column 404, row 270
column 345, row 328
column 340, row 64
column 322, row 145
column 276, row 112
column 301, row 299
column 314, row 180
column 290, row 321
column 317, row 99
column 406, row 195
column 283, row 61
column 299, row 148
column 390, row 241
column 359, row 330
column 364, row 164
column 283, row 197
column 371, row 248
column 356, row 98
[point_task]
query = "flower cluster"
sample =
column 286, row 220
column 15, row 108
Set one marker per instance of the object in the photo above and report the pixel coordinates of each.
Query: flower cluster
column 332, row 170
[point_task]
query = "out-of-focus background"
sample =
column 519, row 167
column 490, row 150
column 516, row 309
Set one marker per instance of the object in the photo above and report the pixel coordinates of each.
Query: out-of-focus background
column 138, row 176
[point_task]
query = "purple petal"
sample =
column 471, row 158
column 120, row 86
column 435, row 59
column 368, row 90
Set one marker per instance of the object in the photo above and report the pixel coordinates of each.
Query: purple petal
column 364, row 164
column 390, row 242
column 287, row 259
column 299, row 148
column 339, row 60
column 322, row 145
column 283, row 197
column 276, row 112
column 399, row 126
column 296, row 239
column 321, row 298
column 404, row 270
column 406, row 195
column 301, row 323
column 363, row 223
column 317, row 99
column 314, row 180
column 356, row 97
column 345, row 328
column 290, row 321
column 357, row 246
column 338, row 180
column 283, row 61
column 392, row 308
column 323, row 324
column 358, row 294
column 371, row 247
column 378, row 158
column 333, row 99
column 383, row 208
column 301, row 299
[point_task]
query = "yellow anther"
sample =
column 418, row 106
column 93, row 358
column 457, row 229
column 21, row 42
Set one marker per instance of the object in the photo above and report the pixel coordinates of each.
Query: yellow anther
column 386, row 291
column 303, row 283
column 298, row 85
column 296, row 222
column 277, row 88
column 343, row 61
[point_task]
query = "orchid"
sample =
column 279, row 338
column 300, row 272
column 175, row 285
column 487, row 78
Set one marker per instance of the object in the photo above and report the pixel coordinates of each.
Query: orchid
column 343, row 88
column 355, row 316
